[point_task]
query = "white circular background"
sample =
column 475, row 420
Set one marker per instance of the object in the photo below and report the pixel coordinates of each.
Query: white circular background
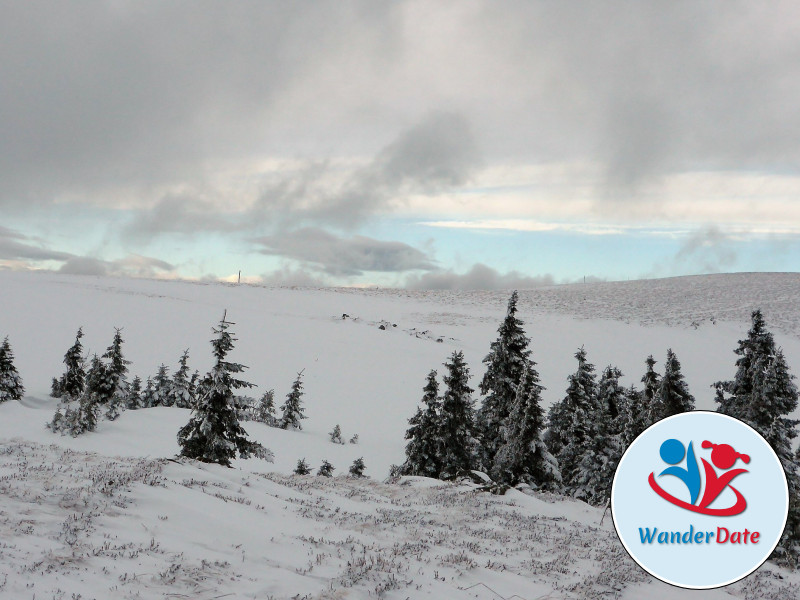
column 635, row 505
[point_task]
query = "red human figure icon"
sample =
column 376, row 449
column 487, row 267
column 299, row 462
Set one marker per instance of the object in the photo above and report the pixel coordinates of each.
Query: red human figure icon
column 724, row 457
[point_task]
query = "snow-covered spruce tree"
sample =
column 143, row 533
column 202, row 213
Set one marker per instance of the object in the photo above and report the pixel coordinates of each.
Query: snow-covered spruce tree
column 302, row 468
column 326, row 469
column 638, row 414
column 292, row 409
column 357, row 468
column 162, row 387
column 508, row 357
column 80, row 416
column 135, row 394
column 148, row 394
column 11, row 387
column 72, row 383
column 99, row 382
column 213, row 433
column 180, row 392
column 604, row 443
column 354, row 439
column 651, row 380
column 672, row 396
column 569, row 425
column 641, row 404
column 459, row 446
column 116, row 371
column 424, row 448
column 523, row 457
column 336, row 435
column 763, row 395
column 265, row 409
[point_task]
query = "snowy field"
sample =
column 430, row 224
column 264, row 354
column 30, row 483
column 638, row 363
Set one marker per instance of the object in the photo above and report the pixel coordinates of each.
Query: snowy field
column 109, row 515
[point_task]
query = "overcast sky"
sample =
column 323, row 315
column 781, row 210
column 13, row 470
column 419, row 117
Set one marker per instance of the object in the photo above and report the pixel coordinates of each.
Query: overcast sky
column 416, row 144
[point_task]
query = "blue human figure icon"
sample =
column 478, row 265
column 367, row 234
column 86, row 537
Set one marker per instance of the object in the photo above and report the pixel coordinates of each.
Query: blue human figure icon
column 672, row 453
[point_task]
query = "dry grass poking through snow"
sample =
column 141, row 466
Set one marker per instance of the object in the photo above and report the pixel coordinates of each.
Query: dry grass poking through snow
column 78, row 525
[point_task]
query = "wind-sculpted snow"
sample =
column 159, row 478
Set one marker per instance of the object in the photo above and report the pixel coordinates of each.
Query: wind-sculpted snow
column 80, row 525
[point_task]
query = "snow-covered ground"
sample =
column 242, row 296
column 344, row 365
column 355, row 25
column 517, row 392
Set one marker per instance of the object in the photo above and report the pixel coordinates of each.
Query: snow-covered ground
column 108, row 515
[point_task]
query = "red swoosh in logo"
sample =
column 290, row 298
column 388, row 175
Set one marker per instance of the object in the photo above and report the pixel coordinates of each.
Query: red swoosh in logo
column 736, row 509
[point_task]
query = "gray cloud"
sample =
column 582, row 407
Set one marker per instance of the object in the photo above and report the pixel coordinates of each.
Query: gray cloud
column 439, row 152
column 130, row 266
column 289, row 277
column 179, row 214
column 707, row 250
column 344, row 256
column 111, row 93
column 103, row 94
column 479, row 277
column 16, row 246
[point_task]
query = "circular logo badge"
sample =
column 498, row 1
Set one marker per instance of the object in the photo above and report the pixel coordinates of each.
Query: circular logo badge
column 699, row 500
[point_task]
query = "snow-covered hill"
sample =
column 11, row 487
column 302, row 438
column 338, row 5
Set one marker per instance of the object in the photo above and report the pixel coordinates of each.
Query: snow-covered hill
column 106, row 515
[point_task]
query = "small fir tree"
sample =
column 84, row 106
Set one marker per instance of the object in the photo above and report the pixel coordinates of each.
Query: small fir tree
column 354, row 439
column 523, row 457
column 569, row 420
column 651, row 381
column 638, row 414
column 117, row 364
column 135, row 394
column 180, row 392
column 357, row 468
column 457, row 423
column 292, row 409
column 99, row 382
column 673, row 395
column 336, row 435
column 162, row 387
column 73, row 382
column 11, row 387
column 213, row 433
column 508, row 358
column 148, row 394
column 424, row 448
column 326, row 469
column 265, row 409
column 604, row 441
column 302, row 467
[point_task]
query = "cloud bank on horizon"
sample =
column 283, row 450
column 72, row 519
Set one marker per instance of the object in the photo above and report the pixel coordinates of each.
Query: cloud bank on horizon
column 445, row 145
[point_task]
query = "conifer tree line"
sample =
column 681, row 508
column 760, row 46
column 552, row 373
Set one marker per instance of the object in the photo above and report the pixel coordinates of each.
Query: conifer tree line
column 575, row 450
column 100, row 387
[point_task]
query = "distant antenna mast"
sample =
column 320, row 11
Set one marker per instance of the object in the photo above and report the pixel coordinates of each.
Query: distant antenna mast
column 240, row 277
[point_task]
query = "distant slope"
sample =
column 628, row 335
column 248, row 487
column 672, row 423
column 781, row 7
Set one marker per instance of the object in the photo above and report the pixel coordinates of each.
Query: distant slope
column 681, row 301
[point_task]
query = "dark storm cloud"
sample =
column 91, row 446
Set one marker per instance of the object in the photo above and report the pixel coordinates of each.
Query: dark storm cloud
column 479, row 277
column 344, row 256
column 15, row 246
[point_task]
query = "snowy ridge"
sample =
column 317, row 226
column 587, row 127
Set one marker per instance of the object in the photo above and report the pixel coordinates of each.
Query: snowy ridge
column 688, row 301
